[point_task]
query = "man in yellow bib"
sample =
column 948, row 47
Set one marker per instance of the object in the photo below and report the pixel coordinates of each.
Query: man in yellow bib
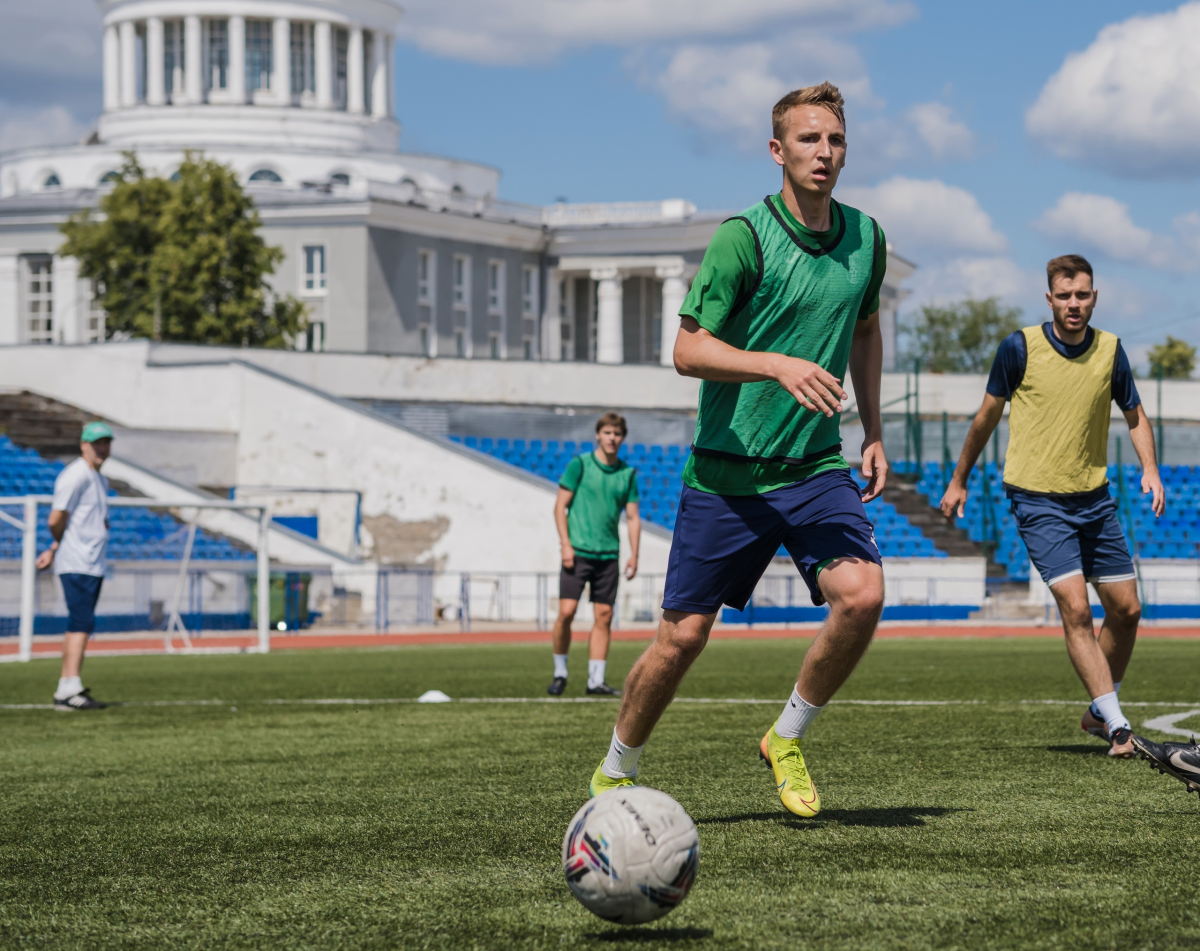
column 1061, row 378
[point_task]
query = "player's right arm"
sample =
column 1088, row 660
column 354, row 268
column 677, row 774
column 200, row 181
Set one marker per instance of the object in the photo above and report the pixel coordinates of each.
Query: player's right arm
column 561, row 504
column 57, row 525
column 986, row 420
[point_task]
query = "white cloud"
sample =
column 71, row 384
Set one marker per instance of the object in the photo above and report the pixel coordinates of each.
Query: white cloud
column 524, row 31
column 942, row 134
column 1102, row 223
column 1130, row 102
column 928, row 215
column 51, row 38
column 50, row 126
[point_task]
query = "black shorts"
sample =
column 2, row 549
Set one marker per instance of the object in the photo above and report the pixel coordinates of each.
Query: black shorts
column 601, row 574
column 81, row 593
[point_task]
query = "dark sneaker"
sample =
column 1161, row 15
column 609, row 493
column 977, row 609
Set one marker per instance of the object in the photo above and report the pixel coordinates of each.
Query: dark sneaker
column 81, row 701
column 1181, row 760
column 603, row 690
column 557, row 686
column 1122, row 745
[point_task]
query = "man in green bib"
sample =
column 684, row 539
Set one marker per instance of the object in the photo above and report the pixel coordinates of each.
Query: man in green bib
column 786, row 300
column 1062, row 378
column 592, row 493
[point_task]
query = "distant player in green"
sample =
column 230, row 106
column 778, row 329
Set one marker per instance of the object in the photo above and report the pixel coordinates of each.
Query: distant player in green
column 787, row 299
column 593, row 492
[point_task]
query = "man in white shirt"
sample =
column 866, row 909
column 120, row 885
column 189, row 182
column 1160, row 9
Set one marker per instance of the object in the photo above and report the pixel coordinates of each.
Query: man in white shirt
column 79, row 526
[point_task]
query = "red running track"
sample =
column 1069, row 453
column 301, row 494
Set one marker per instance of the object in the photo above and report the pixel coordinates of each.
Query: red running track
column 154, row 645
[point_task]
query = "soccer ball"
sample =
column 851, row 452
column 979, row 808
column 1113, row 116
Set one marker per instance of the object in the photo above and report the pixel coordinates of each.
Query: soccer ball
column 630, row 855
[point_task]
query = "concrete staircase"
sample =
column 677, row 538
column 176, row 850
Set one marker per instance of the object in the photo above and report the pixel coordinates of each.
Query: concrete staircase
column 949, row 538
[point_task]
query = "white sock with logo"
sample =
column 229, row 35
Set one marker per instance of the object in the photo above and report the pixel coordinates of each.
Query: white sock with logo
column 560, row 666
column 1109, row 709
column 596, row 672
column 1116, row 690
column 621, row 762
column 796, row 716
column 68, row 687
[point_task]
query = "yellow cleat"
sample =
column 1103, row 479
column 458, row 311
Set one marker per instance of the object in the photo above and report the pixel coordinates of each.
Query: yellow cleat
column 794, row 785
column 601, row 783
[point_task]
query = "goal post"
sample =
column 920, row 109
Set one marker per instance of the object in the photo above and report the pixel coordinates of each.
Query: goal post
column 28, row 528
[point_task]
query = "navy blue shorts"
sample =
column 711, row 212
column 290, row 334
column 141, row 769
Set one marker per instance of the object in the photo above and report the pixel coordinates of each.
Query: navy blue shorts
column 724, row 543
column 81, row 593
column 1073, row 535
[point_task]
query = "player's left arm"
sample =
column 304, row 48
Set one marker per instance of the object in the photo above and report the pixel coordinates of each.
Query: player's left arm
column 633, row 521
column 866, row 373
column 1142, row 438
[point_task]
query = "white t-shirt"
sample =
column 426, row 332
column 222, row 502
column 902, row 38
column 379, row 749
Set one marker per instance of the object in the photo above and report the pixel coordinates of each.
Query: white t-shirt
column 82, row 493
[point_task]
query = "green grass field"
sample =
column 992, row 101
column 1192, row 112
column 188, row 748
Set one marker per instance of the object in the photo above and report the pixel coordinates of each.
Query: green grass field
column 250, row 824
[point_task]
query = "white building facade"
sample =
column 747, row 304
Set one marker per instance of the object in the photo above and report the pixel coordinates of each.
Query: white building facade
column 393, row 252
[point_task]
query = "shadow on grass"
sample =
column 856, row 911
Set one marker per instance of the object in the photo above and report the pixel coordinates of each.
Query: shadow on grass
column 892, row 818
column 652, row 934
column 1079, row 749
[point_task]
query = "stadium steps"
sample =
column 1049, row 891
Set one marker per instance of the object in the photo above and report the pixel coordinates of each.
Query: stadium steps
column 950, row 539
column 45, row 425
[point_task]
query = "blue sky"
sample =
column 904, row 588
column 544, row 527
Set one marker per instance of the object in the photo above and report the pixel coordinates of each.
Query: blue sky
column 985, row 138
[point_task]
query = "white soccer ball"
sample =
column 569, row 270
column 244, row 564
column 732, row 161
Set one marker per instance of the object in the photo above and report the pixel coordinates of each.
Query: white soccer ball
column 631, row 854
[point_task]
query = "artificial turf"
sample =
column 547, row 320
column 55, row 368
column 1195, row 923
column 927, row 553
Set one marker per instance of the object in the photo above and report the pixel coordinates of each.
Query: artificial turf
column 248, row 824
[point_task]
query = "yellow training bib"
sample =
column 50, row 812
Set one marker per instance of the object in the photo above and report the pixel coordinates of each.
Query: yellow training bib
column 1058, row 421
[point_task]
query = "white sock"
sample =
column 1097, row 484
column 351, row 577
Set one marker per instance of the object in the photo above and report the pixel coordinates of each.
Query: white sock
column 621, row 762
column 796, row 716
column 68, row 687
column 560, row 666
column 1096, row 709
column 1110, row 711
column 596, row 672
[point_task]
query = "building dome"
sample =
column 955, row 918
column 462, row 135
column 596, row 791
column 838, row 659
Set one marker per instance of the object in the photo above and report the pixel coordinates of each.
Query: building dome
column 307, row 74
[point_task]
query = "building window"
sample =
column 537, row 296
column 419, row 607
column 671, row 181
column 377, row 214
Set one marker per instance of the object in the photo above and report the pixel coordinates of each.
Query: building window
column 52, row 181
column 266, row 175
column 426, row 289
column 529, row 290
column 303, row 74
column 216, row 35
column 110, row 177
column 496, row 274
column 39, row 301
column 314, row 268
column 339, row 178
column 95, row 316
column 528, row 352
column 462, row 304
column 494, row 346
column 341, row 47
column 173, row 64
column 314, row 336
column 460, row 342
column 258, row 54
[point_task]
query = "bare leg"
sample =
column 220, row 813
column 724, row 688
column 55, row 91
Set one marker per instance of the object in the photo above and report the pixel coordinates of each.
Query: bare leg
column 601, row 632
column 651, row 684
column 1122, row 612
column 1082, row 646
column 72, row 653
column 560, row 636
column 854, row 590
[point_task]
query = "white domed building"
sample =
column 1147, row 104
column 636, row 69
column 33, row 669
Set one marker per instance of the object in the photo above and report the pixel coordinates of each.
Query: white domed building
column 394, row 252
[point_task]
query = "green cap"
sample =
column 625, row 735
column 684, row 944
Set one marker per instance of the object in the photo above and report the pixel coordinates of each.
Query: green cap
column 94, row 431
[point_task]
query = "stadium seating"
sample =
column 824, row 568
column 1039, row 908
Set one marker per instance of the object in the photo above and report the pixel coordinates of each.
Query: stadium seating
column 1175, row 535
column 659, row 483
column 136, row 534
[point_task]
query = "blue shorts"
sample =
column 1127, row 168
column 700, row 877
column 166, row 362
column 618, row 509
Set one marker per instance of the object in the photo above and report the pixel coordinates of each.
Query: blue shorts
column 81, row 593
column 1073, row 535
column 724, row 543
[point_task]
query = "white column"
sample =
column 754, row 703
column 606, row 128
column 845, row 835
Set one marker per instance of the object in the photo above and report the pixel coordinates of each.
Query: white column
column 674, row 290
column 10, row 297
column 323, row 63
column 112, row 68
column 551, row 318
column 193, row 52
column 67, row 322
column 128, row 34
column 156, row 92
column 281, row 52
column 237, row 58
column 610, row 335
column 379, row 75
column 355, row 67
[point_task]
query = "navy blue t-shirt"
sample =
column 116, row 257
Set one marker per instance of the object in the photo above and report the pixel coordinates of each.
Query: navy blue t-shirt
column 1008, row 369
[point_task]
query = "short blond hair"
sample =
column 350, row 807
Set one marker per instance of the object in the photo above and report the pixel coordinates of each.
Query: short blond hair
column 826, row 94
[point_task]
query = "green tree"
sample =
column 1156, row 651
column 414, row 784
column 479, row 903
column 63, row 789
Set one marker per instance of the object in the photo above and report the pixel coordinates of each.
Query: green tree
column 962, row 338
column 1176, row 359
column 183, row 259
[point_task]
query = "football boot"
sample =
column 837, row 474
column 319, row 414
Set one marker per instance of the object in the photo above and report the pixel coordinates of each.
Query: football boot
column 1181, row 760
column 602, row 783
column 792, row 782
